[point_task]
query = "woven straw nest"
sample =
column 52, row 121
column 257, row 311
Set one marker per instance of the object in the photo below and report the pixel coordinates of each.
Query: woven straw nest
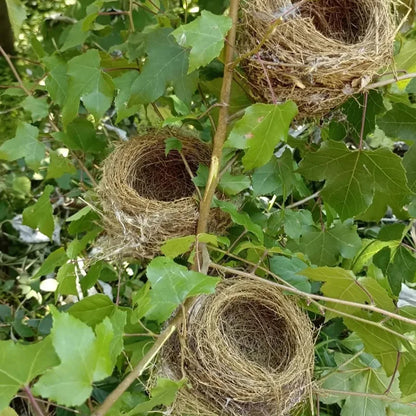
column 148, row 197
column 319, row 52
column 247, row 350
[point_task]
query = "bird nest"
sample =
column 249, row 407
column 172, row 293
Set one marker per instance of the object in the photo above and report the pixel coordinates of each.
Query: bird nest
column 246, row 350
column 315, row 52
column 148, row 197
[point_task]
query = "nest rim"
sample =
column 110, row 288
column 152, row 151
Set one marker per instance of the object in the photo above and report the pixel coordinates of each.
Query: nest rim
column 268, row 388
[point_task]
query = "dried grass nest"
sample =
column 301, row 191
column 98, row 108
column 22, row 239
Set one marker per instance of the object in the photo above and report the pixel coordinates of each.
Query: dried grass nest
column 148, row 197
column 247, row 351
column 320, row 51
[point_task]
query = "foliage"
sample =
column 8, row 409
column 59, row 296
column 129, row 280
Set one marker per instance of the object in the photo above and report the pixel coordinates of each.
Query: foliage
column 326, row 207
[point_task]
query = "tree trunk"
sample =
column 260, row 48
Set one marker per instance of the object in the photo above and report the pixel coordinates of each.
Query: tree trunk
column 6, row 33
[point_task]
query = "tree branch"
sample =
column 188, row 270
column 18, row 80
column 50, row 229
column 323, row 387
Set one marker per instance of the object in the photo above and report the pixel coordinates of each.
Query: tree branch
column 221, row 133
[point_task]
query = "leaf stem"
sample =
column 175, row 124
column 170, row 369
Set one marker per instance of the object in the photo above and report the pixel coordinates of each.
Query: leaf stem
column 36, row 406
column 16, row 74
column 393, row 376
column 363, row 120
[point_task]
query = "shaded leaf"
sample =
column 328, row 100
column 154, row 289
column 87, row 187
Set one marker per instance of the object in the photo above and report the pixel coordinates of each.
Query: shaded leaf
column 399, row 122
column 59, row 165
column 166, row 64
column 241, row 218
column 325, row 247
column 39, row 215
column 358, row 180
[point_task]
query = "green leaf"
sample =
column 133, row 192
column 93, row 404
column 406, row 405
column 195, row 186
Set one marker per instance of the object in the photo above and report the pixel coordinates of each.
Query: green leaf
column 276, row 177
column 177, row 246
column 362, row 378
column 171, row 284
column 100, row 95
column 84, row 358
column 406, row 60
column 399, row 122
column 20, row 364
column 89, row 83
column 381, row 344
column 241, row 218
column 354, row 110
column 123, row 85
column 81, row 135
column 409, row 163
column 166, row 64
column 233, row 184
column 205, row 36
column 163, row 393
column 288, row 269
column 172, row 143
column 58, row 166
column 17, row 15
column 342, row 284
column 8, row 411
column 55, row 259
column 39, row 215
column 57, row 79
column 402, row 268
column 325, row 247
column 408, row 380
column 24, row 144
column 75, row 247
column 66, row 279
column 261, row 129
column 37, row 107
column 358, row 180
column 93, row 309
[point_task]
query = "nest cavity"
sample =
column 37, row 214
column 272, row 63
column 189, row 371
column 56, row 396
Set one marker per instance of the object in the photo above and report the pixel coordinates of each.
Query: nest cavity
column 315, row 52
column 246, row 350
column 148, row 197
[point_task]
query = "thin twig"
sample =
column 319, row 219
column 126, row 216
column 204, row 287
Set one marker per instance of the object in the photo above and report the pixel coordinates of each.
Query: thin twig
column 389, row 81
column 304, row 200
column 190, row 173
column 382, row 397
column 393, row 376
column 269, row 83
column 363, row 120
column 113, row 13
column 316, row 297
column 16, row 74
